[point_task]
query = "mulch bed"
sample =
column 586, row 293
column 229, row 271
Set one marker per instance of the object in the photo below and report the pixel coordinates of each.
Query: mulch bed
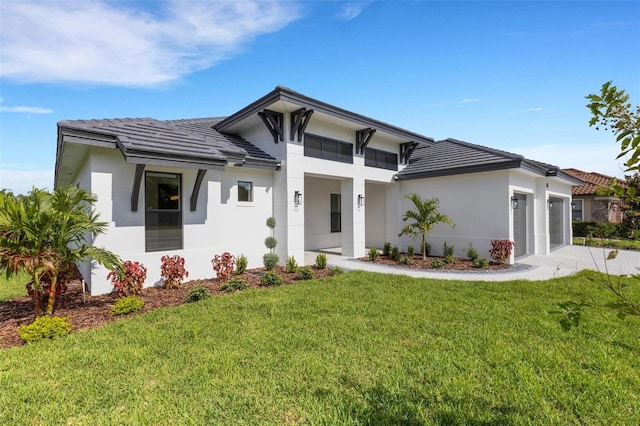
column 459, row 264
column 95, row 312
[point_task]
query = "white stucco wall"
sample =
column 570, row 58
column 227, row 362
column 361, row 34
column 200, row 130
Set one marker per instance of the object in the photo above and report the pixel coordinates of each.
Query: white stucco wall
column 220, row 223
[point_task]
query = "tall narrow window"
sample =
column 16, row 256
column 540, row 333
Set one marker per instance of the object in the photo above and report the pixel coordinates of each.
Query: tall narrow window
column 576, row 210
column 336, row 213
column 245, row 191
column 163, row 211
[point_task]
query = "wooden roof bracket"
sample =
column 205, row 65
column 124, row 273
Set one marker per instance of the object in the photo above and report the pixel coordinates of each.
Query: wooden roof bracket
column 363, row 137
column 135, row 191
column 193, row 202
column 274, row 121
column 299, row 121
column 406, row 149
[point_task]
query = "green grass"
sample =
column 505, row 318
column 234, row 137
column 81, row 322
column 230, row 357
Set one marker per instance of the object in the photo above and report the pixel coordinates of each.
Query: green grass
column 608, row 243
column 358, row 348
column 13, row 287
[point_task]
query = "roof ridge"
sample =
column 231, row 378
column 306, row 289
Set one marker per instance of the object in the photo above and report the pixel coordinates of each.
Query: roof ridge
column 484, row 148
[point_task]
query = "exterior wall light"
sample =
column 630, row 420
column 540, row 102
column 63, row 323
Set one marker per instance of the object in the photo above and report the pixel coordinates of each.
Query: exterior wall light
column 573, row 205
column 550, row 204
column 297, row 198
column 514, row 202
column 360, row 200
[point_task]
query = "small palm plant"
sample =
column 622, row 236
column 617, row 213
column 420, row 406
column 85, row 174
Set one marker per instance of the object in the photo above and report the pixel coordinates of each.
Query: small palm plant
column 420, row 222
column 43, row 231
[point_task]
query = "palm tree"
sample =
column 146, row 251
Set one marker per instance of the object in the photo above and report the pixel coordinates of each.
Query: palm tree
column 423, row 218
column 43, row 233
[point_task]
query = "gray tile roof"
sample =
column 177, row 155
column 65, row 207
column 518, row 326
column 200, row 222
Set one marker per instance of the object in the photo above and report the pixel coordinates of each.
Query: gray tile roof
column 184, row 143
column 452, row 157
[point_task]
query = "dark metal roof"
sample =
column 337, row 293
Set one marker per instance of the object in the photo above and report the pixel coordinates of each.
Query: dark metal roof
column 452, row 157
column 184, row 143
column 282, row 93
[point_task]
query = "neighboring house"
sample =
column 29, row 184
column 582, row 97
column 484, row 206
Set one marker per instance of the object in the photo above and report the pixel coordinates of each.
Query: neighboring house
column 587, row 205
column 331, row 178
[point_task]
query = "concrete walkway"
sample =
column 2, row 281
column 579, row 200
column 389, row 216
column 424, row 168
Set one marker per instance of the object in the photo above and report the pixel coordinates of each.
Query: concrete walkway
column 560, row 263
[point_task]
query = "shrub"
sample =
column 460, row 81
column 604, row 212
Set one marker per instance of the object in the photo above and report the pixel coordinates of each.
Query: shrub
column 472, row 254
column 305, row 273
column 501, row 250
column 597, row 229
column 292, row 265
column 223, row 265
column 373, row 254
column 270, row 260
column 481, row 262
column 449, row 259
column 394, row 253
column 406, row 260
column 410, row 250
column 386, row 249
column 321, row 261
column 172, row 271
column 437, row 264
column 270, row 242
column 235, row 284
column 241, row 264
column 45, row 328
column 447, row 250
column 197, row 293
column 131, row 280
column 126, row 305
column 270, row 279
column 271, row 222
column 336, row 270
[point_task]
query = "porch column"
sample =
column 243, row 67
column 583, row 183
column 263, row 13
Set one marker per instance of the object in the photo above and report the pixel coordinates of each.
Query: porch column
column 353, row 229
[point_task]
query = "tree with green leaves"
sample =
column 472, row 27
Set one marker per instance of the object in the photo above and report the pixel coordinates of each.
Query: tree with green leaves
column 421, row 220
column 43, row 233
column 611, row 110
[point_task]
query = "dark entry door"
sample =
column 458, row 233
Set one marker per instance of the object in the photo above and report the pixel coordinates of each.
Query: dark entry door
column 520, row 226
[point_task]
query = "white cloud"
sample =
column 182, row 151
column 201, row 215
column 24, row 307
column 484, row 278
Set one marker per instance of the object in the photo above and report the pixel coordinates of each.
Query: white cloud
column 469, row 100
column 532, row 109
column 351, row 10
column 21, row 178
column 25, row 109
column 124, row 44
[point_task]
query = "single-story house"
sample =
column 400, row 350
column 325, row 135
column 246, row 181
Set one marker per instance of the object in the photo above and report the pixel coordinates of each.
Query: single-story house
column 330, row 177
column 588, row 204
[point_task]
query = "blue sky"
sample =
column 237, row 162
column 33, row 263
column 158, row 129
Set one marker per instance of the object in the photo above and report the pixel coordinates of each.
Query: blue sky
column 510, row 75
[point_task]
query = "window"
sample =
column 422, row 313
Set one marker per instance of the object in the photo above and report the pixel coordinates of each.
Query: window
column 328, row 149
column 576, row 210
column 245, row 191
column 163, row 212
column 380, row 159
column 336, row 213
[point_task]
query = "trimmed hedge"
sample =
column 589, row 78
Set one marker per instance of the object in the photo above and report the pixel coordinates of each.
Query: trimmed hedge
column 597, row 229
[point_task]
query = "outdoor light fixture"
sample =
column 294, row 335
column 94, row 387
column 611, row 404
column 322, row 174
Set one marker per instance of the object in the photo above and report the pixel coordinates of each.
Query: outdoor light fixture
column 360, row 200
column 514, row 202
column 550, row 204
column 297, row 198
column 573, row 206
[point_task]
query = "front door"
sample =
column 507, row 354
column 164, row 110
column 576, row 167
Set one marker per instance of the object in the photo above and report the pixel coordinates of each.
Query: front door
column 520, row 226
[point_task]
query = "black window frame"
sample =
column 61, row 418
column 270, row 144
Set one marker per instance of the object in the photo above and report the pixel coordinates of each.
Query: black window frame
column 249, row 192
column 327, row 149
column 163, row 224
column 380, row 159
column 574, row 210
column 336, row 213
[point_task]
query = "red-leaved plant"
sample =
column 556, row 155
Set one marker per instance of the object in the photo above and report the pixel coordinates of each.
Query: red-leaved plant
column 501, row 250
column 172, row 271
column 131, row 280
column 223, row 265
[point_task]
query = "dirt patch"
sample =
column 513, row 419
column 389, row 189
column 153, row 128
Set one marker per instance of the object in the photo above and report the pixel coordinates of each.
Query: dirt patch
column 95, row 311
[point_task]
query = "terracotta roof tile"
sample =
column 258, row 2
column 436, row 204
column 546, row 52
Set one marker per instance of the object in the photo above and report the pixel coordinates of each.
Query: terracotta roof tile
column 592, row 181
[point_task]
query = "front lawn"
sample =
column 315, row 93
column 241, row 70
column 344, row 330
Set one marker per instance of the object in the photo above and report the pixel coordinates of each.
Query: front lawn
column 358, row 348
column 13, row 287
column 607, row 243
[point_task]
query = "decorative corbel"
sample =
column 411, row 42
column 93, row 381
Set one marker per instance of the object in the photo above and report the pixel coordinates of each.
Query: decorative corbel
column 135, row 190
column 363, row 137
column 299, row 121
column 406, row 149
column 196, row 189
column 274, row 121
